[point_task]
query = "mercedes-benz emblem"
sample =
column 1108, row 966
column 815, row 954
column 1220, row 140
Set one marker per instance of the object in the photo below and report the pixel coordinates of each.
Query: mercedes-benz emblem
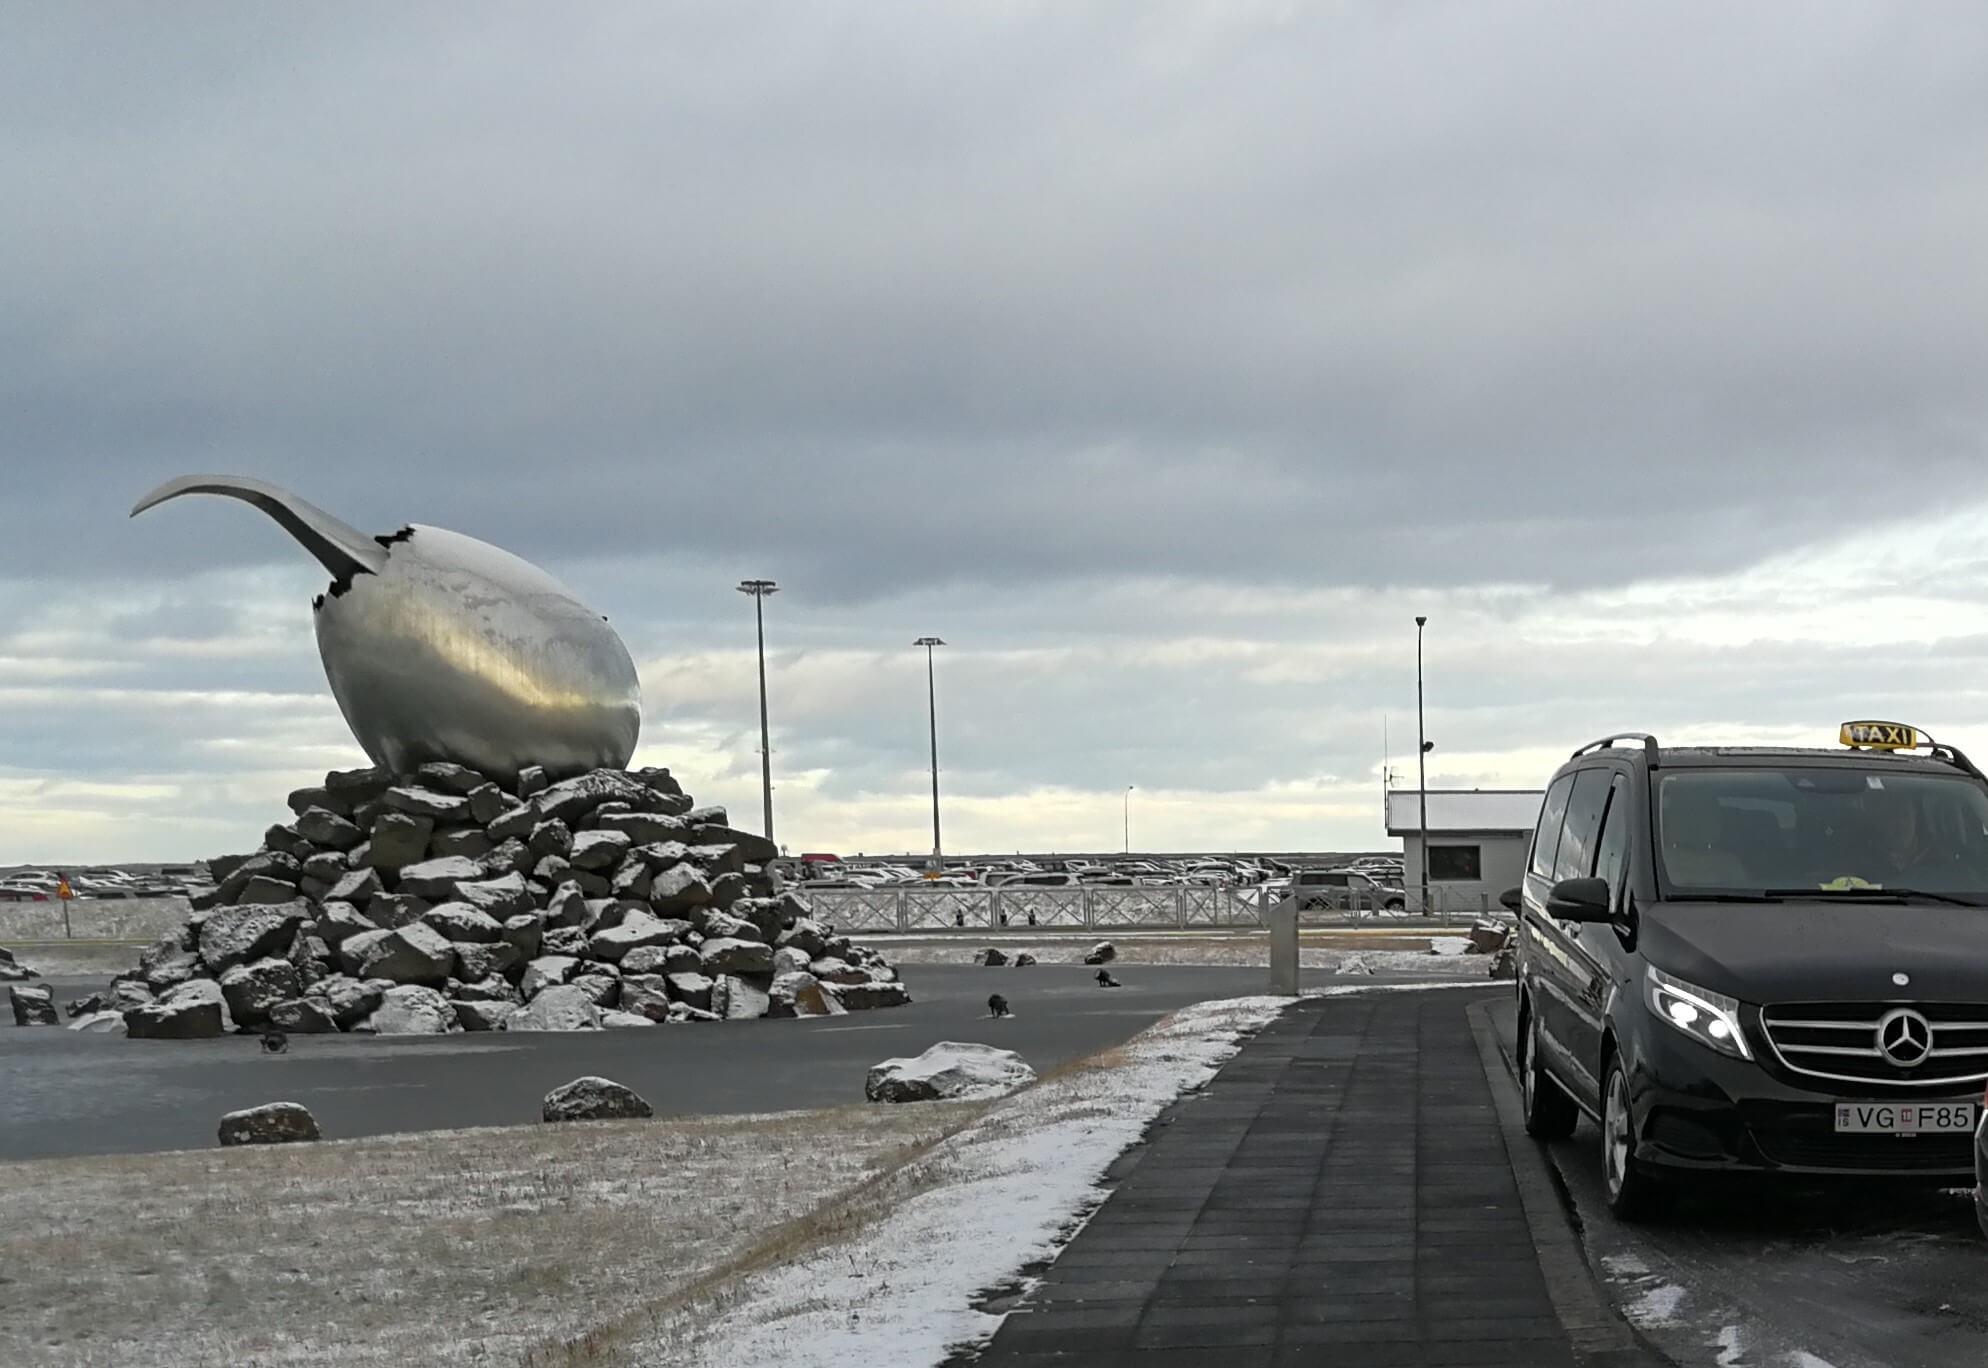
column 1905, row 1037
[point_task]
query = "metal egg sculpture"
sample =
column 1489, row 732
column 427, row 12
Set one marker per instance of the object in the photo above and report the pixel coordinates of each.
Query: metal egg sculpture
column 442, row 647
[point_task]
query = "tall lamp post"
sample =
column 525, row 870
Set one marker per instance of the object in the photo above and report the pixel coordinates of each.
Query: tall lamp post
column 932, row 702
column 1128, row 819
column 759, row 589
column 1422, row 764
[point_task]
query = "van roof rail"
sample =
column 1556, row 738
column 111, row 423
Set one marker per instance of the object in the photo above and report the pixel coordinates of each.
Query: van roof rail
column 1649, row 745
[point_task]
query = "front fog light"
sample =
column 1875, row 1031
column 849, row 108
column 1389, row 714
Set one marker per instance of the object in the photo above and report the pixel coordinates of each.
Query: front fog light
column 1711, row 1019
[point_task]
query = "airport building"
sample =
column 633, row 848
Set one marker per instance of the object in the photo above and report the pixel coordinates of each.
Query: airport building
column 1477, row 840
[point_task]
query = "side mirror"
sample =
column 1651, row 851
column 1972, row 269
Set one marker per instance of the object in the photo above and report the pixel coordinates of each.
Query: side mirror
column 1511, row 899
column 1579, row 900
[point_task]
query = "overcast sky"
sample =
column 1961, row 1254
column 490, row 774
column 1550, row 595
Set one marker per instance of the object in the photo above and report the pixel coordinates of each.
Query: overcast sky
column 1166, row 360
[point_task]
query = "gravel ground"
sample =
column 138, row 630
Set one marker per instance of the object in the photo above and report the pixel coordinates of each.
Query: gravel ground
column 454, row 1247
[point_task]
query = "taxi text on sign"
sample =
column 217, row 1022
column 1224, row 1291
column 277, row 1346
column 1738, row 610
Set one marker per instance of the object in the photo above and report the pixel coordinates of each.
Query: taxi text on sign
column 1879, row 735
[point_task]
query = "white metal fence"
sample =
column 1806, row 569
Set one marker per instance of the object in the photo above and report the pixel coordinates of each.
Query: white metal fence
column 920, row 907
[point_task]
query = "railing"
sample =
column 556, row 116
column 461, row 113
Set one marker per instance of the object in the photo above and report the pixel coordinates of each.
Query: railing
column 918, row 907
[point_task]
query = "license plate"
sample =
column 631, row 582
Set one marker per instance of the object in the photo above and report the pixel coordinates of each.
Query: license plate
column 1903, row 1118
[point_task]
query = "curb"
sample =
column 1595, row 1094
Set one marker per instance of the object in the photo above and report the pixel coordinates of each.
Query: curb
column 1601, row 1338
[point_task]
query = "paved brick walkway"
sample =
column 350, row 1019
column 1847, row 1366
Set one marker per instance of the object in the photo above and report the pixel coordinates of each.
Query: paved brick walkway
column 1339, row 1195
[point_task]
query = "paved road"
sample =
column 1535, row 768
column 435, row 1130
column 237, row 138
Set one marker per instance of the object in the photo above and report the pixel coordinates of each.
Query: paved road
column 64, row 1093
column 1774, row 1276
column 1342, row 1193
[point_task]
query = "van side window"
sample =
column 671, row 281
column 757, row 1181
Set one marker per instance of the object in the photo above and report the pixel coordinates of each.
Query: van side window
column 1546, row 839
column 1614, row 849
column 1576, row 857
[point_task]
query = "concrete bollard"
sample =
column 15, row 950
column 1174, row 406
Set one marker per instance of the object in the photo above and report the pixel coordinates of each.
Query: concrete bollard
column 1284, row 948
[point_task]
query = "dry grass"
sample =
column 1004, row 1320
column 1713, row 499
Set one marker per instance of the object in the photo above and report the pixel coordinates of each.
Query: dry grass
column 502, row 1245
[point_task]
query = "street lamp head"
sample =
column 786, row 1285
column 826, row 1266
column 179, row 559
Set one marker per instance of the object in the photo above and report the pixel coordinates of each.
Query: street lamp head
column 1428, row 746
column 758, row 588
column 1419, row 621
column 928, row 641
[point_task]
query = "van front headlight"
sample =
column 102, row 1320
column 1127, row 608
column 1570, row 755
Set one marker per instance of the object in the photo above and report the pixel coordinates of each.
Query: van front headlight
column 1711, row 1019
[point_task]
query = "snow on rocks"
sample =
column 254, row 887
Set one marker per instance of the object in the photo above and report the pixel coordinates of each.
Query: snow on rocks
column 12, row 970
column 487, row 891
column 1104, row 952
column 594, row 1099
column 948, row 1071
column 34, row 1006
column 275, row 1123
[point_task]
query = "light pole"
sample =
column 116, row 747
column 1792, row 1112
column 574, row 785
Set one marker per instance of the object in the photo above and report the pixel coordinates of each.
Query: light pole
column 932, row 701
column 1128, row 819
column 1422, row 764
column 759, row 589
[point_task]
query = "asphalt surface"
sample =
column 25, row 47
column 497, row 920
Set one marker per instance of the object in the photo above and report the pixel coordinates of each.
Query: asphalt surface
column 1342, row 1192
column 1773, row 1275
column 68, row 1093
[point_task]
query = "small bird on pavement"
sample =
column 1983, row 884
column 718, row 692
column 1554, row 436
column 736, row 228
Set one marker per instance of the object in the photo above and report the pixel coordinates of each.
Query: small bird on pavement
column 274, row 1042
column 1105, row 980
column 998, row 1006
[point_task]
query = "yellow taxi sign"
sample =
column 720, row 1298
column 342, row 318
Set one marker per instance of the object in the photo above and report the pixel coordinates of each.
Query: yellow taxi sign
column 1888, row 736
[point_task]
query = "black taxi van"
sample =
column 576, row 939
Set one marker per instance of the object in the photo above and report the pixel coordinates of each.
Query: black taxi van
column 1743, row 960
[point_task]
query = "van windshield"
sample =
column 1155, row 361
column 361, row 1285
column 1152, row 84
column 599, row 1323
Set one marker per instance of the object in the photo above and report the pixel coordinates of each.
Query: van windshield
column 1830, row 828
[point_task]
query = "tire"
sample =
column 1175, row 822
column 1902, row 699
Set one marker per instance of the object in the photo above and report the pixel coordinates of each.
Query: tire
column 1631, row 1190
column 1396, row 905
column 1549, row 1113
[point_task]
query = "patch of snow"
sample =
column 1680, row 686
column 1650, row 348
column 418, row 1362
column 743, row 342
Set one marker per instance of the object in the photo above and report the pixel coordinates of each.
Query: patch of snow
column 1802, row 1358
column 1011, row 1189
column 1655, row 1306
column 1449, row 945
column 1731, row 1344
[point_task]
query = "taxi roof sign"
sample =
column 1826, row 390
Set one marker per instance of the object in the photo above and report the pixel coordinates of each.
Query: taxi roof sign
column 1885, row 736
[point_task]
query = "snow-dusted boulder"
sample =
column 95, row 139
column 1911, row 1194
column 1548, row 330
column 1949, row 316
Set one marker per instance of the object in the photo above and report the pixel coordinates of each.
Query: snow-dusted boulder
column 34, row 1006
column 950, row 1070
column 106, row 1022
column 594, row 1099
column 412, row 954
column 1104, row 952
column 729, row 955
column 564, row 1007
column 277, row 1123
column 236, row 935
column 192, row 1011
column 411, row 1009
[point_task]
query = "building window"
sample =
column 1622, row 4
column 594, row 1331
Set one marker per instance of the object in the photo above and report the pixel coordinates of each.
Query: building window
column 1455, row 863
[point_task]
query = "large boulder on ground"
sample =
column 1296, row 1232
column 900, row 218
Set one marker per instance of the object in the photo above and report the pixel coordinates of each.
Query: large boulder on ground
column 167, row 964
column 525, row 933
column 729, row 955
column 950, row 1070
column 594, row 1099
column 613, row 1020
column 740, row 999
column 564, row 1007
column 413, row 954
column 1104, row 952
column 459, row 922
column 399, row 839
column 1023, row 960
column 277, row 1123
column 678, row 889
column 863, row 997
column 800, row 994
column 805, row 935
column 477, row 962
column 339, row 921
column 416, row 801
column 250, row 990
column 34, row 1006
column 1488, row 937
column 323, row 828
column 354, row 950
column 436, row 879
column 637, row 930
column 192, row 1011
column 236, row 935
column 356, row 886
column 547, row 971
column 646, row 995
column 350, row 1000
column 990, row 956
column 410, row 1009
column 691, row 989
column 303, row 1016
column 107, row 1022
column 475, row 1014
column 600, row 850
column 574, row 798
column 498, row 898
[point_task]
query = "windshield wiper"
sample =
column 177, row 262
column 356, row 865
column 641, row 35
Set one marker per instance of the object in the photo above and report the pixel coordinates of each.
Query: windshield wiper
column 1886, row 894
column 1693, row 895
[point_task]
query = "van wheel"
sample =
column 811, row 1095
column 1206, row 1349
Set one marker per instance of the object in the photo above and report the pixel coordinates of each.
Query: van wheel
column 1549, row 1112
column 1632, row 1192
column 1396, row 905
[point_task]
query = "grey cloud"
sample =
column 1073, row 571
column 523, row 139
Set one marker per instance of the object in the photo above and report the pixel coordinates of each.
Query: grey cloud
column 998, row 298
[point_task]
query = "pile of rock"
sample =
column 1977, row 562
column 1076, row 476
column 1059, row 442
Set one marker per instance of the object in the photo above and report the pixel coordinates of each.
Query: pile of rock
column 12, row 970
column 450, row 900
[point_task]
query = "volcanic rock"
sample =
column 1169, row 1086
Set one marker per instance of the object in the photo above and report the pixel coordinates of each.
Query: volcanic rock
column 594, row 1099
column 277, row 1123
column 948, row 1070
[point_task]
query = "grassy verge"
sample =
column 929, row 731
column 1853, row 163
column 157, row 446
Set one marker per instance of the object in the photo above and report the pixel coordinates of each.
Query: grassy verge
column 500, row 1245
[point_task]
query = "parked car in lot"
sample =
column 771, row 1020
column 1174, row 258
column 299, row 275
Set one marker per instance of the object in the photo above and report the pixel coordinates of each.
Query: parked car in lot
column 1340, row 890
column 1759, row 961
